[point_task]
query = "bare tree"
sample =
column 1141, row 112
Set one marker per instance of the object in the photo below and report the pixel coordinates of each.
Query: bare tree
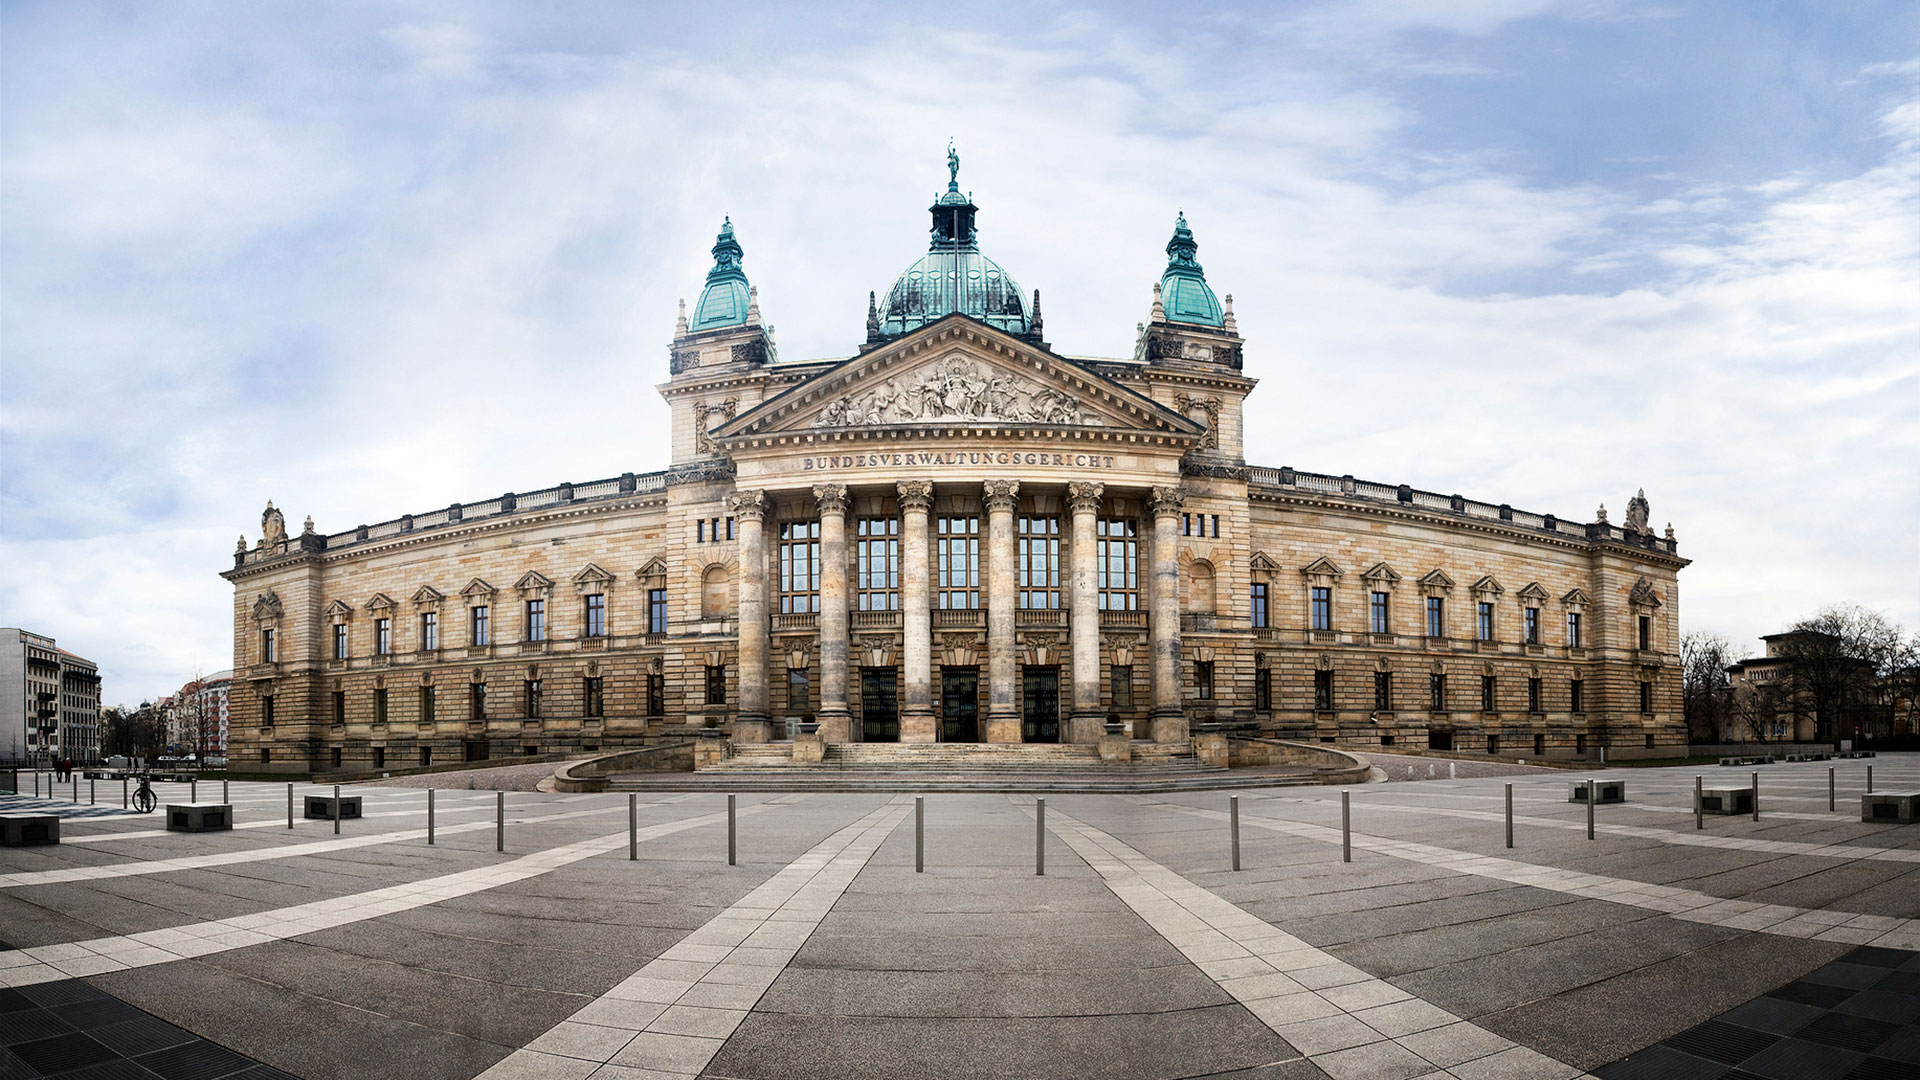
column 1842, row 660
column 1706, row 696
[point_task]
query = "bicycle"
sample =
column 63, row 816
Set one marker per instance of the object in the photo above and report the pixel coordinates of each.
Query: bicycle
column 143, row 797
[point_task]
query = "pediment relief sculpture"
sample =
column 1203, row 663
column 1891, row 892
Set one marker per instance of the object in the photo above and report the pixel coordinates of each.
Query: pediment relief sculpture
column 958, row 389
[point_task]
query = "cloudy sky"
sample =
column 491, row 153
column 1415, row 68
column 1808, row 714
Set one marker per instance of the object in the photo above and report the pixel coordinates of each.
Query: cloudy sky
column 365, row 259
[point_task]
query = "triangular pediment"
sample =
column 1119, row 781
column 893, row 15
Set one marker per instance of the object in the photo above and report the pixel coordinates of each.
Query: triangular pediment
column 592, row 574
column 655, row 567
column 533, row 581
column 1262, row 563
column 267, row 607
column 1436, row 579
column 957, row 373
column 1532, row 591
column 1643, row 593
column 1382, row 574
column 380, row 602
column 1322, row 567
column 1490, row 585
column 339, row 609
column 427, row 594
column 1575, row 597
column 477, row 589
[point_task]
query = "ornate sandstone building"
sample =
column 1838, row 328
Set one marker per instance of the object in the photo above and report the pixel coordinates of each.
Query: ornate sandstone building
column 956, row 534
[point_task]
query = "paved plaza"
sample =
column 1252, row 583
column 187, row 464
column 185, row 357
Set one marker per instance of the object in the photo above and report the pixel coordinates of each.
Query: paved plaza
column 1786, row 947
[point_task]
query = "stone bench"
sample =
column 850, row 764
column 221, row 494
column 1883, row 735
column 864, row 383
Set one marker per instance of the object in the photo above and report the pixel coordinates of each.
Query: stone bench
column 1765, row 759
column 199, row 816
column 27, row 830
column 1890, row 807
column 1727, row 800
column 320, row 807
column 1853, row 753
column 1604, row 791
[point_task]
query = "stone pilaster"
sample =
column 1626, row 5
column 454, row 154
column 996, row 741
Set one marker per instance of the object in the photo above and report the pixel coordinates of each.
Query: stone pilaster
column 752, row 723
column 1087, row 723
column 1168, row 722
column 836, row 722
column 1003, row 690
column 916, row 718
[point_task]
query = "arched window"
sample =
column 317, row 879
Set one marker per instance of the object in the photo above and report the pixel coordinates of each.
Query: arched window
column 716, row 593
column 1200, row 591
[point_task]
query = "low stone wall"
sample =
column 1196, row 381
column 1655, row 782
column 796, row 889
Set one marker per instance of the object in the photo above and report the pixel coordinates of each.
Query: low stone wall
column 1330, row 765
column 593, row 773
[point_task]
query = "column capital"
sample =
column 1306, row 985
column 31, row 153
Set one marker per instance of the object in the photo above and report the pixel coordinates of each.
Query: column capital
column 1084, row 494
column 916, row 495
column 750, row 504
column 831, row 497
column 1001, row 494
column 1166, row 501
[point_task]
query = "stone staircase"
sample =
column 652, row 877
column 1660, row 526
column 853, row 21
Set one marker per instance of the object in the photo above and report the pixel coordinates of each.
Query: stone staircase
column 960, row 767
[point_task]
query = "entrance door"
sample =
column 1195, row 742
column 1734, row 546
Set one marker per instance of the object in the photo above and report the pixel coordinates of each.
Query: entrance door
column 959, row 704
column 879, row 705
column 1040, row 704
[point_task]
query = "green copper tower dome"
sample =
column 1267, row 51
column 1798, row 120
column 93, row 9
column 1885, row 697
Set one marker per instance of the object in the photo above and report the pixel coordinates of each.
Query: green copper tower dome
column 953, row 275
column 725, row 300
column 1184, row 294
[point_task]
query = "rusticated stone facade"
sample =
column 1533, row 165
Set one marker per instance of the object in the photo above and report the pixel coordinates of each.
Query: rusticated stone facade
column 956, row 534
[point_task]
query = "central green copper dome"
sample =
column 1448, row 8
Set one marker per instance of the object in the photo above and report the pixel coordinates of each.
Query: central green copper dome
column 953, row 275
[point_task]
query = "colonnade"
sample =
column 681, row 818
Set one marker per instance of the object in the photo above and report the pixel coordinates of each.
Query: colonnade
column 1084, row 718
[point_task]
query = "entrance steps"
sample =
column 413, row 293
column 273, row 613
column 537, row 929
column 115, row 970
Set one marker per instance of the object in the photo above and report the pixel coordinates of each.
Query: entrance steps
column 960, row 767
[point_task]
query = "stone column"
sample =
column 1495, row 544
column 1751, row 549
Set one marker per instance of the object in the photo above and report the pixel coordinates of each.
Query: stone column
column 1087, row 721
column 1168, row 722
column 749, row 514
column 916, row 610
column 836, row 723
column 1003, row 691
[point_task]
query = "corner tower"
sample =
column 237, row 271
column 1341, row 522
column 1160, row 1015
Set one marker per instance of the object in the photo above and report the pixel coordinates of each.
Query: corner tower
column 719, row 353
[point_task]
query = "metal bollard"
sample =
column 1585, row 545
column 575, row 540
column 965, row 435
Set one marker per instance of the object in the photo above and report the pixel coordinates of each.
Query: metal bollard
column 1756, row 796
column 123, row 793
column 1409, row 772
column 1453, row 770
column 1430, row 770
column 1346, row 829
column 225, row 796
column 36, row 783
column 919, row 834
column 429, row 817
column 1869, row 779
column 336, row 809
column 76, row 788
column 1699, row 807
column 633, row 827
column 1830, row 786
column 1233, row 821
column 93, row 790
column 193, row 790
column 732, row 849
column 499, row 821
column 1040, row 837
column 1509, row 815
column 289, row 806
column 1589, row 809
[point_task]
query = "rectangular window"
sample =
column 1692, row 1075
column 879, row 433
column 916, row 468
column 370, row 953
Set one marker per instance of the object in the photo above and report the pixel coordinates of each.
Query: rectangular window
column 266, row 711
column 1573, row 629
column 267, row 652
column 335, row 757
column 1533, row 695
column 383, row 637
column 1437, row 692
column 533, row 699
column 1117, row 564
column 477, row 701
column 1122, row 680
column 1487, row 693
column 536, row 620
column 1323, row 690
column 1378, row 610
column 1263, row 690
column 799, row 567
column 1203, row 679
column 877, row 564
column 656, row 694
column 380, row 705
column 339, row 641
column 379, row 757
column 429, row 630
column 1533, row 626
column 339, row 706
column 956, row 549
column 1383, row 691
column 482, row 625
column 700, row 531
column 716, row 684
column 597, row 615
column 799, row 691
column 1576, row 698
column 729, row 528
column 1322, row 608
column 1436, row 617
column 426, row 756
column 1646, row 697
column 1485, row 628
column 1646, row 632
column 426, row 704
column 592, row 694
column 1039, row 566
column 1259, row 605
column 656, row 611
column 1216, row 526
column 1186, row 524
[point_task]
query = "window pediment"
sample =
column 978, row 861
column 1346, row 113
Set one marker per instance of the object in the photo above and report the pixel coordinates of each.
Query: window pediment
column 592, row 578
column 533, row 582
column 1488, row 586
column 428, row 596
column 267, row 608
column 1435, row 582
column 339, row 611
column 381, row 602
column 1643, row 594
column 1532, row 593
column 1575, row 598
column 1323, row 567
column 1382, row 576
column 477, row 591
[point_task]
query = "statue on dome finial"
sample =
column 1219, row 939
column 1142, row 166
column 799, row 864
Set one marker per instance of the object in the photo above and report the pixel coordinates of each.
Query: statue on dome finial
column 953, row 166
